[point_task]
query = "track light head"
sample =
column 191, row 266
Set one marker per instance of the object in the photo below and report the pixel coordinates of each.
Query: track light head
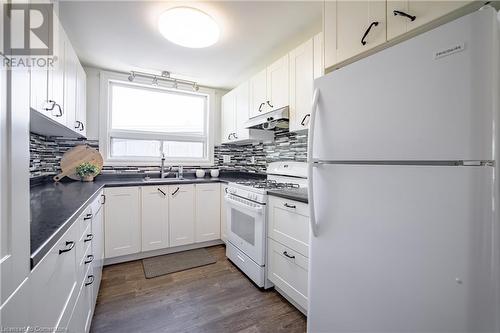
column 131, row 77
column 195, row 87
column 155, row 82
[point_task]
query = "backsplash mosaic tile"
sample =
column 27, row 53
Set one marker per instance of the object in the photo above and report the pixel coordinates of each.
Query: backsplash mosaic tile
column 46, row 153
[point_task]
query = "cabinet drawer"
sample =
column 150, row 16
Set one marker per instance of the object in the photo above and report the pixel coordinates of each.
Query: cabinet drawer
column 289, row 224
column 81, row 315
column 288, row 271
column 247, row 265
column 54, row 281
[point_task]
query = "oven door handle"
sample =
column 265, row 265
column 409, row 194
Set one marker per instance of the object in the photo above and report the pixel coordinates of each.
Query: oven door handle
column 240, row 205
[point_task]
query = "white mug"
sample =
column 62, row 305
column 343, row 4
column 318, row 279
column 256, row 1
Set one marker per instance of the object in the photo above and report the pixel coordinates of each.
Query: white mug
column 200, row 173
column 214, row 173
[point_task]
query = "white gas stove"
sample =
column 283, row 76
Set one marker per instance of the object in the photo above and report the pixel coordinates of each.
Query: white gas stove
column 247, row 216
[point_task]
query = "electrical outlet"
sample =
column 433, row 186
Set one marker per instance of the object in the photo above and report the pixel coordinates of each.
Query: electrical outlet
column 226, row 158
column 252, row 159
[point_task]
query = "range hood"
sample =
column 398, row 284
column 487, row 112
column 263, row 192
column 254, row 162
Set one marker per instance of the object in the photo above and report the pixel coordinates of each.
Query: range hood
column 273, row 120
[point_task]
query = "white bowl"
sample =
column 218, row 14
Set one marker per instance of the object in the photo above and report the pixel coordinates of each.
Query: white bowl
column 200, row 173
column 214, row 173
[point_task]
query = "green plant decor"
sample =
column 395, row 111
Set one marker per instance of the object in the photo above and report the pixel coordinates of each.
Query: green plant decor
column 87, row 170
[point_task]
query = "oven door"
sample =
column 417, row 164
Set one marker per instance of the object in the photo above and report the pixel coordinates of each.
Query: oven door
column 246, row 226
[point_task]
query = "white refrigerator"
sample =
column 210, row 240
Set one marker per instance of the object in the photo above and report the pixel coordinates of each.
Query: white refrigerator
column 403, row 187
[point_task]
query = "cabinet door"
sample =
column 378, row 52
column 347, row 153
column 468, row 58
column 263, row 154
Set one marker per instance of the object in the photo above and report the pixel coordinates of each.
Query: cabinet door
column 228, row 117
column 223, row 213
column 301, row 85
column 318, row 56
column 330, row 32
column 242, row 96
column 277, row 84
column 181, row 214
column 56, row 74
column 154, row 217
column 258, row 93
column 122, row 224
column 81, row 100
column 422, row 11
column 207, row 212
column 70, row 74
column 354, row 19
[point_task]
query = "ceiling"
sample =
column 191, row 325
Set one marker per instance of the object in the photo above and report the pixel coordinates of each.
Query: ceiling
column 123, row 36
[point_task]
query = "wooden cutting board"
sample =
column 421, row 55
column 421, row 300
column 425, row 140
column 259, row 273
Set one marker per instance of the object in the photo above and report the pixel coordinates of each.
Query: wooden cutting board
column 76, row 156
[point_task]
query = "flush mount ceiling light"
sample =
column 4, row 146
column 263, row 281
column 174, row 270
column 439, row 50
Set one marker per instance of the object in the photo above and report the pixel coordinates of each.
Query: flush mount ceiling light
column 188, row 27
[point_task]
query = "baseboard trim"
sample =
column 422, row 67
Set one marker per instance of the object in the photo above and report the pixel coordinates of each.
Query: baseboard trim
column 142, row 255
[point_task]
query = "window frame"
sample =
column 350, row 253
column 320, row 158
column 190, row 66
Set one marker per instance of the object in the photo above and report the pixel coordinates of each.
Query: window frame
column 106, row 132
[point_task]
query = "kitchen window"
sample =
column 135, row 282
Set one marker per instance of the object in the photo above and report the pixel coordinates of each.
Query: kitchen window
column 144, row 121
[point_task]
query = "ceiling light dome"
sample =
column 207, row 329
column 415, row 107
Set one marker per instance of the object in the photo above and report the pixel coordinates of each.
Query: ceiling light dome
column 188, row 27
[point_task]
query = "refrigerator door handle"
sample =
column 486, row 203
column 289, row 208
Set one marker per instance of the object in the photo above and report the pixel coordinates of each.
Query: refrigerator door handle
column 310, row 163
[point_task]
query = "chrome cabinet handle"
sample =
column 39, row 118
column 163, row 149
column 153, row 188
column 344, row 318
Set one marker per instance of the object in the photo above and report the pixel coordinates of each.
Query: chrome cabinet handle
column 60, row 111
column 88, row 217
column 303, row 122
column 288, row 255
column 400, row 13
column 51, row 107
column 373, row 24
column 260, row 106
column 71, row 245
column 176, row 190
column 91, row 278
column 269, row 103
column 89, row 238
column 289, row 206
column 90, row 258
column 164, row 194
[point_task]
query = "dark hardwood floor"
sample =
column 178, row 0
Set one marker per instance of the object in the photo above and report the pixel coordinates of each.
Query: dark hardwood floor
column 213, row 298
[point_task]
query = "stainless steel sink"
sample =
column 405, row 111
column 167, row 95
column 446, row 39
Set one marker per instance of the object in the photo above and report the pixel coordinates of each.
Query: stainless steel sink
column 163, row 180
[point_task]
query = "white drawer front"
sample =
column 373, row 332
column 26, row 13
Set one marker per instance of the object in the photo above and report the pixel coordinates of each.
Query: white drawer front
column 54, row 280
column 289, row 224
column 247, row 265
column 287, row 269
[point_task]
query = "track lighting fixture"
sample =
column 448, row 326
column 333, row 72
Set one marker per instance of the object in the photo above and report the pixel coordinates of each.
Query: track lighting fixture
column 165, row 77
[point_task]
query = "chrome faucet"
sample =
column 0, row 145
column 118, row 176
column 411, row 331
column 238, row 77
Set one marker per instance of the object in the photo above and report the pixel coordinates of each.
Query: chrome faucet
column 180, row 172
column 164, row 174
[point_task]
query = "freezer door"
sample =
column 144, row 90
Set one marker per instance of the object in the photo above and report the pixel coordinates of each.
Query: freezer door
column 433, row 97
column 403, row 249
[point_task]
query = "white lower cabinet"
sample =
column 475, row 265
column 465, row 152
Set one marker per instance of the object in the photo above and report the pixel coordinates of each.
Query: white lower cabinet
column 122, row 227
column 223, row 213
column 288, row 271
column 208, row 213
column 288, row 248
column 65, row 282
column 181, row 214
column 154, row 212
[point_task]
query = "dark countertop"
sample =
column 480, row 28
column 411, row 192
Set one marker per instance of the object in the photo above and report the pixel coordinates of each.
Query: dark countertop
column 297, row 194
column 55, row 206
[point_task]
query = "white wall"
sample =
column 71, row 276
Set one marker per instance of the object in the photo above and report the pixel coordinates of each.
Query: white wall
column 93, row 82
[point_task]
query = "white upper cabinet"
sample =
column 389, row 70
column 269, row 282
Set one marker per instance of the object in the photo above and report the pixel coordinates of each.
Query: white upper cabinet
column 181, row 214
column 70, row 75
column 208, row 212
column 301, row 85
column 235, row 112
column 122, row 221
column 258, row 93
column 269, row 88
column 55, row 90
column 330, row 33
column 361, row 25
column 277, row 84
column 228, row 110
column 81, row 100
column 60, row 92
column 241, row 96
column 403, row 16
column 154, row 204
